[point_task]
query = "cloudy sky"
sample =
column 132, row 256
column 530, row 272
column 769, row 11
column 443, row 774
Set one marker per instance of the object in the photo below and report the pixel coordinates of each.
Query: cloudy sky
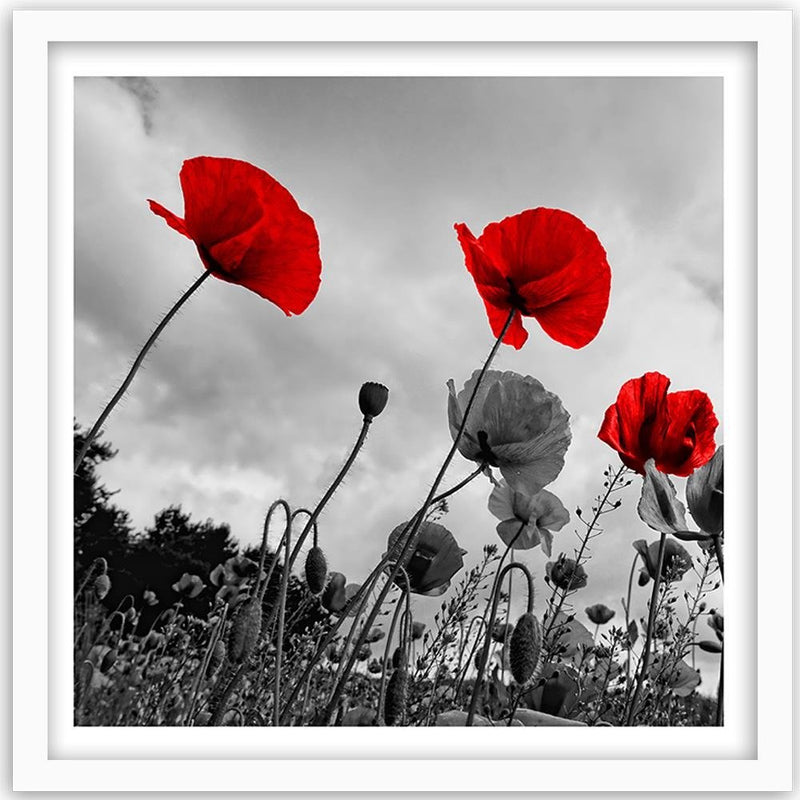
column 238, row 404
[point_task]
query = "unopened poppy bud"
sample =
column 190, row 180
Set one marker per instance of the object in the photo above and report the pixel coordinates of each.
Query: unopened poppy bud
column 101, row 565
column 130, row 615
column 525, row 648
column 244, row 631
column 396, row 697
column 334, row 597
column 109, row 659
column 316, row 570
column 710, row 647
column 217, row 657
column 102, row 585
column 399, row 658
column 372, row 399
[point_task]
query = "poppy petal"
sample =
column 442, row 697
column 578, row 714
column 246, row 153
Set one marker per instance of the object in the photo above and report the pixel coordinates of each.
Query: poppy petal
column 516, row 335
column 172, row 220
column 689, row 436
column 480, row 265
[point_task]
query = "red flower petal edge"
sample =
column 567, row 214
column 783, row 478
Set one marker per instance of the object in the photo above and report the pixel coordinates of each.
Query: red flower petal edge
column 248, row 230
column 675, row 429
column 546, row 264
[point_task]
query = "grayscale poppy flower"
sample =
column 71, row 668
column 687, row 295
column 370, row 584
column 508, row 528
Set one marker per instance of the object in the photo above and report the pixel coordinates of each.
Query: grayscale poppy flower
column 515, row 424
column 527, row 519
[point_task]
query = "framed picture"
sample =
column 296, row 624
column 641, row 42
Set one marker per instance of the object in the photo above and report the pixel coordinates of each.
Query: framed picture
column 542, row 258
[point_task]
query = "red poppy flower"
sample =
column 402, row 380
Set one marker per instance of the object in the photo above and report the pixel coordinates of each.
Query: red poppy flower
column 248, row 230
column 675, row 429
column 546, row 264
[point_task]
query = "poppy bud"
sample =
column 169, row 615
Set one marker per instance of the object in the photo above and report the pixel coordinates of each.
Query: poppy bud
column 372, row 399
column 244, row 631
column 101, row 565
column 710, row 647
column 102, row 585
column 396, row 696
column 334, row 597
column 525, row 648
column 316, row 570
column 399, row 658
column 109, row 659
column 217, row 657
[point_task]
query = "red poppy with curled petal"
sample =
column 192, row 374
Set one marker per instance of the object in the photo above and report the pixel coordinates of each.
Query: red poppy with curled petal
column 248, row 230
column 546, row 264
column 675, row 429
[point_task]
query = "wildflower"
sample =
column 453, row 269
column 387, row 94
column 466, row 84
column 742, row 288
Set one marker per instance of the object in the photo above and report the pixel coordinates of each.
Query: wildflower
column 417, row 629
column 515, row 424
column 189, row 585
column 704, row 494
column 434, row 561
column 677, row 561
column 546, row 264
column 334, row 597
column 375, row 635
column 372, row 399
column 149, row 597
column 599, row 614
column 527, row 520
column 566, row 573
column 675, row 429
column 375, row 666
column 248, row 230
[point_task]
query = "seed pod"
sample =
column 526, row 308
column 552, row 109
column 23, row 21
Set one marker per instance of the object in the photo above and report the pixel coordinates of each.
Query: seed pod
column 217, row 657
column 334, row 597
column 396, row 697
column 109, row 659
column 399, row 659
column 525, row 648
column 372, row 399
column 102, row 585
column 244, row 631
column 316, row 570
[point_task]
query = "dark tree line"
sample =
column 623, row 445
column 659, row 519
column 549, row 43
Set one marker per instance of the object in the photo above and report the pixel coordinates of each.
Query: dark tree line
column 154, row 559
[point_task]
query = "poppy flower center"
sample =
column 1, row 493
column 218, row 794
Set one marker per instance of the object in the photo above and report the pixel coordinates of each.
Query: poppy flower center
column 486, row 451
column 516, row 299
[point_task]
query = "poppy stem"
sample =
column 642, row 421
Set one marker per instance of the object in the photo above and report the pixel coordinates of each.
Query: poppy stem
column 413, row 534
column 718, row 553
column 360, row 597
column 719, row 715
column 585, row 540
column 628, row 624
column 404, row 599
column 508, row 568
column 135, row 368
column 651, row 621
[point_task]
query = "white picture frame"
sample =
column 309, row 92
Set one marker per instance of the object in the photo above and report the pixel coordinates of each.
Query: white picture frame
column 752, row 52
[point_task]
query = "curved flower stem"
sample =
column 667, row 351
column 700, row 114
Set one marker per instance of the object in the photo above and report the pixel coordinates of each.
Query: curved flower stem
column 135, row 368
column 718, row 553
column 628, row 623
column 361, row 597
column 405, row 598
column 585, row 540
column 508, row 568
column 287, row 536
column 650, row 626
column 413, row 534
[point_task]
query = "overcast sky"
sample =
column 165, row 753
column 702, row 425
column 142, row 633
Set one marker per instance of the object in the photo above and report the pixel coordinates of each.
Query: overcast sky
column 238, row 404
